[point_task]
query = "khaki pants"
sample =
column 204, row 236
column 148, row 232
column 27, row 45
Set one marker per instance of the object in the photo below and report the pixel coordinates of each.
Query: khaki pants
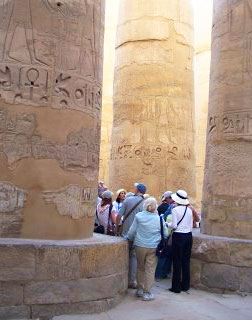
column 146, row 266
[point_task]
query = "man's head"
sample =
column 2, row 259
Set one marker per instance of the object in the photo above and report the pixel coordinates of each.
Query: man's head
column 166, row 197
column 140, row 188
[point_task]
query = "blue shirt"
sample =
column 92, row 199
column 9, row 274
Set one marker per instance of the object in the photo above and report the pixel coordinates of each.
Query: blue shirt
column 145, row 230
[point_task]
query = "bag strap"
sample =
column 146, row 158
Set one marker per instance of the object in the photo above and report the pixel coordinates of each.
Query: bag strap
column 181, row 218
column 110, row 210
column 161, row 228
column 132, row 209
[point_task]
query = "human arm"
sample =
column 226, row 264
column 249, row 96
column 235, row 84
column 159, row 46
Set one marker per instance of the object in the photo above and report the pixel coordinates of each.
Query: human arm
column 132, row 231
column 195, row 217
column 121, row 213
column 114, row 215
column 174, row 223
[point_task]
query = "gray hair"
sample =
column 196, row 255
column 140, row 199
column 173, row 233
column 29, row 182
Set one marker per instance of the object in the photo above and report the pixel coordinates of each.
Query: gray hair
column 150, row 204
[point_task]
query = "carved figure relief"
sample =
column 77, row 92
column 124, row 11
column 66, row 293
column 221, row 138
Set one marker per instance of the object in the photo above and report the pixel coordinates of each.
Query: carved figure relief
column 74, row 201
column 12, row 202
column 11, row 197
column 19, row 139
column 49, row 65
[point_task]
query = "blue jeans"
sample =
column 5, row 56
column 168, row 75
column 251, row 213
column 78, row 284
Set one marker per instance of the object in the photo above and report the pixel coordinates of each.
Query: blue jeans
column 164, row 265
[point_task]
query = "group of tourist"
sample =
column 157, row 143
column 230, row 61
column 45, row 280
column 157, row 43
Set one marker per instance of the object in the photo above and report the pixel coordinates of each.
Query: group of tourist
column 160, row 237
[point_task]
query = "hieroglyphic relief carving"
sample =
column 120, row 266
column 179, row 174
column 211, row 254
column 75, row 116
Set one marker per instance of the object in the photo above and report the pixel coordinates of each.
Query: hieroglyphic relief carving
column 19, row 139
column 11, row 197
column 74, row 201
column 67, row 81
column 12, row 202
column 231, row 125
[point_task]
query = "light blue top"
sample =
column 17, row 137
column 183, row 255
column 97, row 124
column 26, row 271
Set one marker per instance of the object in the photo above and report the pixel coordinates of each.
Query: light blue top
column 145, row 230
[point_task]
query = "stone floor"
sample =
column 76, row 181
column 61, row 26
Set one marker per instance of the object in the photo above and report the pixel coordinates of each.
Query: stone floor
column 198, row 305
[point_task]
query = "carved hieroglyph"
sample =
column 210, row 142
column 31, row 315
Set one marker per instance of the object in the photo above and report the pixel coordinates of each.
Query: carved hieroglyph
column 73, row 201
column 203, row 30
column 227, row 202
column 153, row 128
column 12, row 201
column 51, row 56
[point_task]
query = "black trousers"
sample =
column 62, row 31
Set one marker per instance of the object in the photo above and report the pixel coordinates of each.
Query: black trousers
column 181, row 254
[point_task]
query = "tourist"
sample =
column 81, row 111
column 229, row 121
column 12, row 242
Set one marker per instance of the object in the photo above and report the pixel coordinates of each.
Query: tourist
column 106, row 213
column 146, row 233
column 131, row 206
column 165, row 202
column 164, row 265
column 120, row 197
column 182, row 224
column 101, row 188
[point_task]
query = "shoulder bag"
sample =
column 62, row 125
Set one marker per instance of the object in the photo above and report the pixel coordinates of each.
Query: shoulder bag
column 170, row 237
column 163, row 244
column 120, row 227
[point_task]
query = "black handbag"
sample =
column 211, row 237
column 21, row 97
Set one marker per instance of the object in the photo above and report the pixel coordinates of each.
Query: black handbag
column 162, row 247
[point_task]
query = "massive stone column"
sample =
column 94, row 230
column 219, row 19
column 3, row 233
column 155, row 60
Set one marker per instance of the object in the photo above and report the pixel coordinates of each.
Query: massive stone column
column 153, row 128
column 107, row 92
column 222, row 253
column 227, row 199
column 50, row 100
column 203, row 30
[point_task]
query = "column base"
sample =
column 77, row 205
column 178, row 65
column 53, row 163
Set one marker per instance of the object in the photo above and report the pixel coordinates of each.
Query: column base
column 221, row 264
column 42, row 278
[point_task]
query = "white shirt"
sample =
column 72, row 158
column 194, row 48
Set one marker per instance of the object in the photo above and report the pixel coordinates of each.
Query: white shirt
column 186, row 225
column 103, row 214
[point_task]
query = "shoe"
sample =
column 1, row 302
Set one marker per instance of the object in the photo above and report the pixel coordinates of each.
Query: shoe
column 173, row 291
column 187, row 291
column 139, row 293
column 147, row 296
column 132, row 285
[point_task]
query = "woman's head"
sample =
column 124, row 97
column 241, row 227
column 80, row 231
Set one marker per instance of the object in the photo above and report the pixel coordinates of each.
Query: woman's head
column 120, row 195
column 106, row 197
column 150, row 204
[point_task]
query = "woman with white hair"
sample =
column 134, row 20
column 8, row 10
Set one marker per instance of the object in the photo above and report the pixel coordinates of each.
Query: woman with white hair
column 146, row 233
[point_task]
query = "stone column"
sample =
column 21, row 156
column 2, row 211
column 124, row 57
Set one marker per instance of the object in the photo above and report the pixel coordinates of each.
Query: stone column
column 222, row 253
column 107, row 92
column 153, row 128
column 227, row 198
column 50, row 100
column 203, row 30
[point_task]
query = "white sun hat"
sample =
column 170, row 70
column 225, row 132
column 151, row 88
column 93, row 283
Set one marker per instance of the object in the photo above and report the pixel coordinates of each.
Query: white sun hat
column 180, row 197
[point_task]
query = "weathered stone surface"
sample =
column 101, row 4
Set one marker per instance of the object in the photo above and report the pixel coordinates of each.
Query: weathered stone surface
column 228, row 173
column 15, row 312
column 246, row 276
column 10, row 294
column 81, row 290
column 98, row 261
column 58, row 263
column 203, row 30
column 50, row 102
column 107, row 89
column 74, row 308
column 153, row 127
column 16, row 263
column 212, row 250
column 220, row 276
column 196, row 268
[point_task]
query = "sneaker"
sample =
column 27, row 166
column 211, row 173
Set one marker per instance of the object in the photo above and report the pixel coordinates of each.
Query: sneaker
column 139, row 293
column 147, row 296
